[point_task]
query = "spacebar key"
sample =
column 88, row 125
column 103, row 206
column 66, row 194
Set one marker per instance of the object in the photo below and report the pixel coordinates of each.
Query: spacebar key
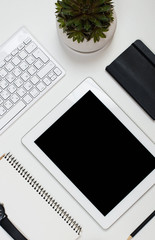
column 11, row 114
column 42, row 73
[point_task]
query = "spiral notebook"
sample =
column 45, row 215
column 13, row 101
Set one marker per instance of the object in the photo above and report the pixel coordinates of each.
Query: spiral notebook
column 30, row 207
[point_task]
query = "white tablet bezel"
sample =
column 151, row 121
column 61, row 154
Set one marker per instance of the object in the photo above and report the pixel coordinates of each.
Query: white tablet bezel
column 29, row 141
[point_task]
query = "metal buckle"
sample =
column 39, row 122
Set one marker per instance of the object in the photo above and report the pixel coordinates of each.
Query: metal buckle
column 2, row 212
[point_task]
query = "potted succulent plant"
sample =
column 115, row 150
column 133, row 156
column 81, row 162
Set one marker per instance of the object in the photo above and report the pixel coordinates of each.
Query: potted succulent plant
column 85, row 25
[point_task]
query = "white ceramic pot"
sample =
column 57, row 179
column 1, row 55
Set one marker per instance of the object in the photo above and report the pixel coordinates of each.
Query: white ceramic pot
column 88, row 46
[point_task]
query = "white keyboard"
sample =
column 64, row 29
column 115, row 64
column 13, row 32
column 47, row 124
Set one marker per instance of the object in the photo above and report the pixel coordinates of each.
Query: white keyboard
column 27, row 72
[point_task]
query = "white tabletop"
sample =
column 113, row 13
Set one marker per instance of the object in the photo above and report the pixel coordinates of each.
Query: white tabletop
column 135, row 20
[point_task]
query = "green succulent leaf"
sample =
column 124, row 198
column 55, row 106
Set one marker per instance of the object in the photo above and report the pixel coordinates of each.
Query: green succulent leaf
column 62, row 22
column 99, row 3
column 87, row 25
column 77, row 36
column 97, row 34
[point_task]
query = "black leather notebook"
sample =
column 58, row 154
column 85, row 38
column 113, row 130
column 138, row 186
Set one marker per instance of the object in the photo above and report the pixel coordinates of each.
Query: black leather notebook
column 134, row 70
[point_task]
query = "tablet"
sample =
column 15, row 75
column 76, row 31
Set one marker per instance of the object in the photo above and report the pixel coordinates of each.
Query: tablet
column 95, row 151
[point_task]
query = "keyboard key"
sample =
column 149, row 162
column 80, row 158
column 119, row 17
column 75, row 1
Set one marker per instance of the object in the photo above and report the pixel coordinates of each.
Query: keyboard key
column 27, row 99
column 8, row 104
column 34, row 93
column 35, row 80
column 23, row 55
column 53, row 77
column 14, row 52
column 18, row 82
column 32, row 70
column 21, row 46
column 45, row 70
column 8, row 58
column 27, row 40
column 41, row 86
column 17, row 72
column 9, row 67
column 38, row 64
column 47, row 81
column 21, row 92
column 3, row 73
column 57, row 71
column 31, row 47
column 14, row 98
column 51, row 74
column 12, row 88
column 39, row 54
column 24, row 66
column 3, row 84
column 27, row 86
column 25, row 76
column 16, row 61
column 30, row 59
column 5, row 94
column 10, row 78
column 2, row 63
column 2, row 111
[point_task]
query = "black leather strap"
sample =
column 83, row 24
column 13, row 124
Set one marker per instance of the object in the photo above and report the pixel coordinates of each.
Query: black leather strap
column 11, row 229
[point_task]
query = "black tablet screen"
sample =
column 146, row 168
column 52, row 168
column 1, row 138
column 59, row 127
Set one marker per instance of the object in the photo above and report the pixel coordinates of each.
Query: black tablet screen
column 96, row 152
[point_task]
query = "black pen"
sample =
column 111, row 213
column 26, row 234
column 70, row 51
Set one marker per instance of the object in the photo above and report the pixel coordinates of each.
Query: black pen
column 142, row 225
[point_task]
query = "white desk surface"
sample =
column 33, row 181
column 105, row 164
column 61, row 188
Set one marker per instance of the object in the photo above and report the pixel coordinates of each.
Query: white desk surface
column 135, row 20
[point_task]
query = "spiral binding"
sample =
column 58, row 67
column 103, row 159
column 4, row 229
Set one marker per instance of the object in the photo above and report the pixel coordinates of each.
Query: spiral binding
column 43, row 193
